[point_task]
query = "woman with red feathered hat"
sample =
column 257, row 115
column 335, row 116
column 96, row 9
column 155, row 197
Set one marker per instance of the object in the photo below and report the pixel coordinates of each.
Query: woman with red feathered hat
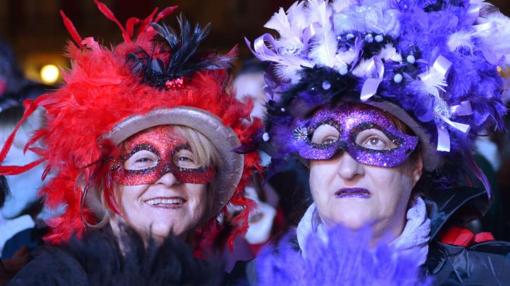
column 141, row 139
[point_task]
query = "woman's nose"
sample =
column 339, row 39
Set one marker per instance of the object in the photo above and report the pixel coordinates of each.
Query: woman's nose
column 168, row 179
column 348, row 168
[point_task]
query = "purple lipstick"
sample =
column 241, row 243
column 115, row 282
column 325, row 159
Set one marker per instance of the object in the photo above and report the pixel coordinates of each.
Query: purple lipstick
column 353, row 193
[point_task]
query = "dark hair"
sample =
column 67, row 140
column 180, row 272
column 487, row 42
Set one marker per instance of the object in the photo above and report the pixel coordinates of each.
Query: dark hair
column 11, row 116
column 8, row 119
column 416, row 155
column 8, row 64
column 4, row 190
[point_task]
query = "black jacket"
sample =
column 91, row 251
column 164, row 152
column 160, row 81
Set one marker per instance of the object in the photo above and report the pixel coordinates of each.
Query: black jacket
column 485, row 263
column 98, row 260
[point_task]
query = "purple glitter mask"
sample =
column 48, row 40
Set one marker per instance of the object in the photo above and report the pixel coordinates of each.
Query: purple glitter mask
column 364, row 132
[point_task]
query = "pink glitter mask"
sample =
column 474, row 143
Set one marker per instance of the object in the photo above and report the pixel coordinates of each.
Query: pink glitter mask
column 154, row 152
column 363, row 132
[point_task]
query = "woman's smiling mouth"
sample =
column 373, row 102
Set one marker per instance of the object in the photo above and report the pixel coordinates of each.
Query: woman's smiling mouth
column 166, row 202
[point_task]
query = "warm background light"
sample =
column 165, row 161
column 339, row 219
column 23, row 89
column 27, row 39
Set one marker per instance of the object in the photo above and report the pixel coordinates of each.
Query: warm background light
column 49, row 74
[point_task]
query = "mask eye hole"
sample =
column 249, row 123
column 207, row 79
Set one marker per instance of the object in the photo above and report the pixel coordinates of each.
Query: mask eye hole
column 374, row 139
column 184, row 158
column 325, row 134
column 141, row 160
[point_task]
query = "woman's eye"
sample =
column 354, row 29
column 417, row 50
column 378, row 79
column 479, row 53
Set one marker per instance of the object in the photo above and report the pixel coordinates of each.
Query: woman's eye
column 374, row 139
column 375, row 143
column 141, row 160
column 185, row 159
column 325, row 134
column 329, row 140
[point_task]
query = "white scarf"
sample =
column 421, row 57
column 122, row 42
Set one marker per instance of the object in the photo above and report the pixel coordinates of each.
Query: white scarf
column 413, row 239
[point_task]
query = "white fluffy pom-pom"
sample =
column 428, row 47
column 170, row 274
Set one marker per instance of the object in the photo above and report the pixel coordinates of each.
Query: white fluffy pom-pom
column 389, row 53
column 433, row 82
column 460, row 40
column 325, row 47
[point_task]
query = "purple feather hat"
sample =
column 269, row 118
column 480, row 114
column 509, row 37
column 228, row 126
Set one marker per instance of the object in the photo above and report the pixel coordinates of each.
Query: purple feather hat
column 431, row 63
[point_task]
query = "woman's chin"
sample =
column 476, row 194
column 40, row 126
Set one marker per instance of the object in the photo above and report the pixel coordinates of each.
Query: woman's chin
column 163, row 230
column 351, row 220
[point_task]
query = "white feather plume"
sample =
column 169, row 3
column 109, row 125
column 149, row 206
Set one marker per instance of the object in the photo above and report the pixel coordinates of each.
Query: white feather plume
column 288, row 72
column 290, row 25
column 280, row 23
column 288, row 67
column 459, row 40
column 325, row 44
column 318, row 11
column 433, row 82
column 346, row 57
column 298, row 17
column 341, row 5
column 389, row 53
column 477, row 4
column 366, row 69
column 494, row 32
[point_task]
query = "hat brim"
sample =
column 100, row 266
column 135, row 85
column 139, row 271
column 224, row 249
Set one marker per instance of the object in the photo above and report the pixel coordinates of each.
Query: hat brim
column 224, row 139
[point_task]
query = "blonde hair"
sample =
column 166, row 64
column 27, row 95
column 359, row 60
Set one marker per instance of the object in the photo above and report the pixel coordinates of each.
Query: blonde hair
column 205, row 154
column 202, row 148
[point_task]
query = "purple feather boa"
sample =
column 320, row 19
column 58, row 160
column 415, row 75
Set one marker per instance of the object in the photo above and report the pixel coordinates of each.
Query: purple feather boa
column 345, row 260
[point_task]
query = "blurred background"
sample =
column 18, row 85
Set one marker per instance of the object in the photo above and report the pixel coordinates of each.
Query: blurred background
column 35, row 30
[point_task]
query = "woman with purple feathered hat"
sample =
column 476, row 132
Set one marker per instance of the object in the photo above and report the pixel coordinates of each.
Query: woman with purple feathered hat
column 382, row 99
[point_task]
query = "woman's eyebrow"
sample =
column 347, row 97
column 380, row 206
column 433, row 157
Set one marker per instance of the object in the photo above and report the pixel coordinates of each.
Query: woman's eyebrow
column 142, row 146
column 184, row 146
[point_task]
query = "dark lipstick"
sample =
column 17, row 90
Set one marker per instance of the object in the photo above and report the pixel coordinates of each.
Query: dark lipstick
column 353, row 193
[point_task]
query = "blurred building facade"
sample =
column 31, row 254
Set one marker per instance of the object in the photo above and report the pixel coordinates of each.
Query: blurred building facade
column 35, row 30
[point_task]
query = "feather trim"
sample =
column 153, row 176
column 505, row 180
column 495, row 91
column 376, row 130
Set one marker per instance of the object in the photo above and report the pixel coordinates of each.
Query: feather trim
column 346, row 261
column 98, row 259
column 183, row 61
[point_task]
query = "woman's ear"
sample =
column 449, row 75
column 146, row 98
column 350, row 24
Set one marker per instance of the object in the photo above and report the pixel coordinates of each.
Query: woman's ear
column 417, row 170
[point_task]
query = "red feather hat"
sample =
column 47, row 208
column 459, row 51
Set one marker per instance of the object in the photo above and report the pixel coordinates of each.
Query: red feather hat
column 112, row 93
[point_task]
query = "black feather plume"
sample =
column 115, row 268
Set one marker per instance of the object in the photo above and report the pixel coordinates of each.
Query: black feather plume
column 98, row 259
column 183, row 60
